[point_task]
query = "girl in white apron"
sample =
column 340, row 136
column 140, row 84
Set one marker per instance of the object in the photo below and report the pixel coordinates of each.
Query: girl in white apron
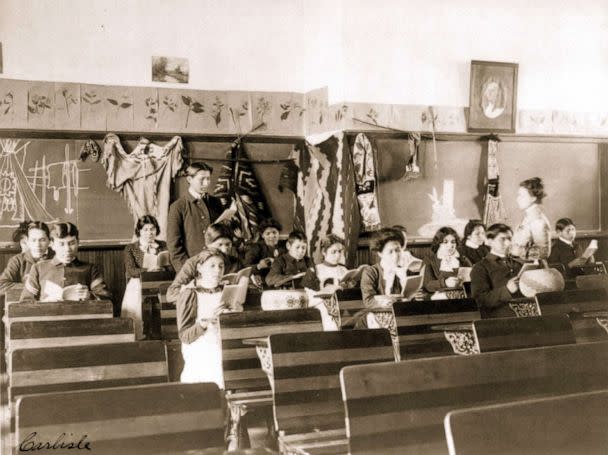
column 141, row 256
column 198, row 308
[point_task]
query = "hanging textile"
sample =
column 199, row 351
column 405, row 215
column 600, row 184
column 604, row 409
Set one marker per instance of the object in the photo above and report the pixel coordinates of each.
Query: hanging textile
column 144, row 175
column 325, row 197
column 366, row 183
column 412, row 168
column 238, row 183
column 494, row 211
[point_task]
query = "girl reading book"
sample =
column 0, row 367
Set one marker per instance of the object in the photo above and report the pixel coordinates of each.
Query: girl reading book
column 444, row 261
column 146, row 254
column 324, row 279
column 198, row 308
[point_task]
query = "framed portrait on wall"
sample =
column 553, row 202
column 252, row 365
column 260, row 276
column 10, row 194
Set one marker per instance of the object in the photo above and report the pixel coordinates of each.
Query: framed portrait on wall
column 492, row 97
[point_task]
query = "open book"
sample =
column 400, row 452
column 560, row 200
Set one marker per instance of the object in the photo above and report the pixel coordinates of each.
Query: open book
column 227, row 214
column 156, row 261
column 235, row 278
column 353, row 274
column 289, row 279
column 52, row 292
column 411, row 285
column 233, row 296
column 464, row 274
column 591, row 249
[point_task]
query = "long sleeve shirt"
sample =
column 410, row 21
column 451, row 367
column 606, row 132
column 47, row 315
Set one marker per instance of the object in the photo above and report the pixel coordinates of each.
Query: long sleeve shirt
column 186, row 224
column 285, row 266
column 18, row 269
column 188, row 327
column 188, row 273
column 62, row 275
column 134, row 258
column 258, row 251
column 489, row 279
column 533, row 232
column 434, row 277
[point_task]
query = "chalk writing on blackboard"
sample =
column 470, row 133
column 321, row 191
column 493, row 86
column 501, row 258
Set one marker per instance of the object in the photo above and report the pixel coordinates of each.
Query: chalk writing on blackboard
column 25, row 187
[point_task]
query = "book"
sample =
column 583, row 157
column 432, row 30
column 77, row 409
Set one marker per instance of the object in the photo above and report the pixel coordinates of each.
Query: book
column 227, row 214
column 52, row 292
column 233, row 296
column 410, row 286
column 156, row 261
column 235, row 278
column 464, row 274
column 415, row 265
column 289, row 279
column 591, row 249
column 353, row 274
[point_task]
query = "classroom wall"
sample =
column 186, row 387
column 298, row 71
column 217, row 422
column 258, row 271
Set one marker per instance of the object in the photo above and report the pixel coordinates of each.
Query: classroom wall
column 388, row 51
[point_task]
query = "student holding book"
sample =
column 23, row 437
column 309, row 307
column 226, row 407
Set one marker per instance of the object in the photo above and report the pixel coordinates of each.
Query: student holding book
column 217, row 237
column 64, row 277
column 444, row 261
column 474, row 248
column 36, row 249
column 288, row 269
column 146, row 254
column 381, row 282
column 198, row 308
column 260, row 255
column 565, row 251
column 328, row 275
column 495, row 279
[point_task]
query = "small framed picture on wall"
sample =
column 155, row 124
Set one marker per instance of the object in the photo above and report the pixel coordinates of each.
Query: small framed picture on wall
column 493, row 97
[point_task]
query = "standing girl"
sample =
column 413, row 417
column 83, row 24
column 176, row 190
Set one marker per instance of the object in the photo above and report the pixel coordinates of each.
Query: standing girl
column 198, row 308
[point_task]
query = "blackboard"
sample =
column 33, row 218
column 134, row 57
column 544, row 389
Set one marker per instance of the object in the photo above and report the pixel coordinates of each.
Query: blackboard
column 570, row 172
column 44, row 180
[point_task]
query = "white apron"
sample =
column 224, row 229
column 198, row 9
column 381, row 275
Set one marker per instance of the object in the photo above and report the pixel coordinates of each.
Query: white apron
column 203, row 357
column 131, row 306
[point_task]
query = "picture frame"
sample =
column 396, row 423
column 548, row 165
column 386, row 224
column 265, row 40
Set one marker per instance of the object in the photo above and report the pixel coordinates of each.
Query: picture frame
column 492, row 97
column 170, row 69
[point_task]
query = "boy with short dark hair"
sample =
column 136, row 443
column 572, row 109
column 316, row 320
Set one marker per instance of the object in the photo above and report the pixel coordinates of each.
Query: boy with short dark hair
column 47, row 279
column 494, row 279
column 289, row 268
column 564, row 250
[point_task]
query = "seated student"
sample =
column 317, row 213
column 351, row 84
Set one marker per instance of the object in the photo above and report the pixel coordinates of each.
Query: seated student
column 406, row 259
column 294, row 263
column 261, row 254
column 385, row 277
column 563, row 249
column 494, row 280
column 217, row 237
column 444, row 261
column 474, row 248
column 48, row 278
column 20, row 236
column 198, row 309
column 36, row 249
column 327, row 275
column 146, row 230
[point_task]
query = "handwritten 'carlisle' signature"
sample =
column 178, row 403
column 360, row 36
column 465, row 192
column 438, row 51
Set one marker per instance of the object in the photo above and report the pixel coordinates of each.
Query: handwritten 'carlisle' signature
column 30, row 443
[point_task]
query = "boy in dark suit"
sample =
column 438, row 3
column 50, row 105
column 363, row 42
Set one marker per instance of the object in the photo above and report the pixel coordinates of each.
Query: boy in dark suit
column 494, row 280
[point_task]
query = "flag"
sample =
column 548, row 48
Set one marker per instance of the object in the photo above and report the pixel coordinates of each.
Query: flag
column 238, row 184
column 326, row 202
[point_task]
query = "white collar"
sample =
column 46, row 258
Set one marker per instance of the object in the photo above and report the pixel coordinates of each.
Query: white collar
column 502, row 256
column 195, row 195
column 565, row 241
column 470, row 244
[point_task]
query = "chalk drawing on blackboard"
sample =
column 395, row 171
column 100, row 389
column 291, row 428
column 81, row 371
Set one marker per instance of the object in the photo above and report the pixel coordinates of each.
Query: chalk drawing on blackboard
column 444, row 213
column 23, row 192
